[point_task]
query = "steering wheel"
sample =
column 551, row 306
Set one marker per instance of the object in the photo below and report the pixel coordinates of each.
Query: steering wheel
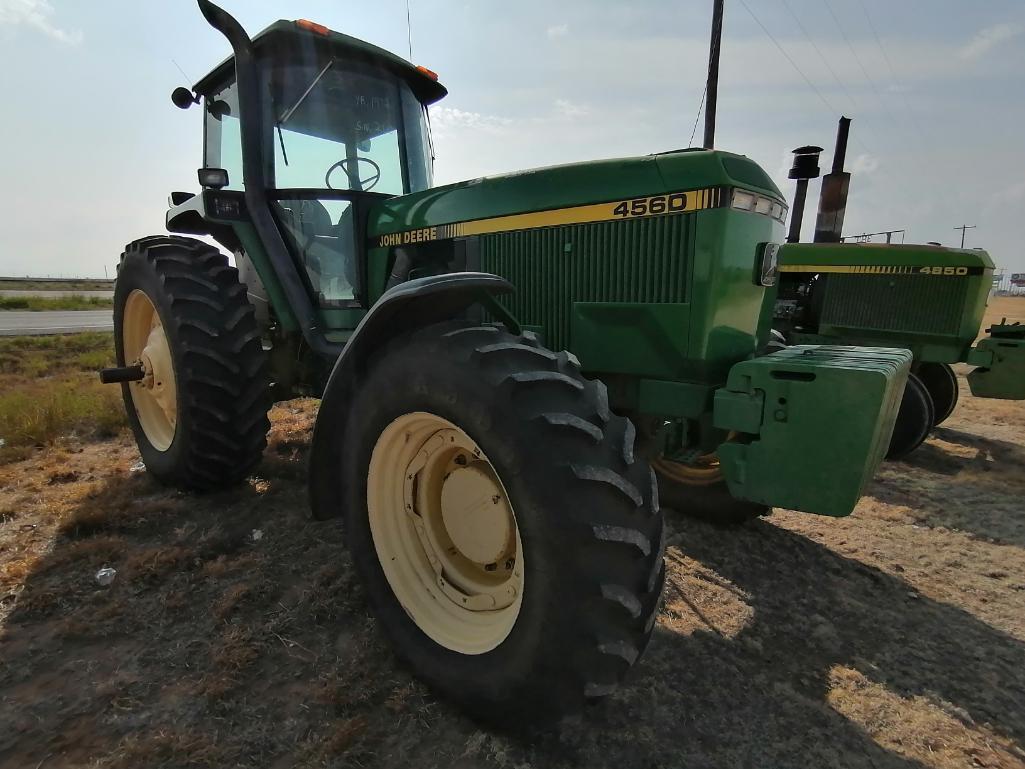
column 363, row 184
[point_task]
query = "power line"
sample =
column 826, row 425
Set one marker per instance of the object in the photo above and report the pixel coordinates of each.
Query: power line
column 836, row 77
column 823, row 99
column 857, row 58
column 825, row 61
column 697, row 117
column 893, row 74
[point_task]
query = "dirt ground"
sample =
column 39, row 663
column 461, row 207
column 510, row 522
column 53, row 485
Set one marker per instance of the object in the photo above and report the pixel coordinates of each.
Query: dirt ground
column 236, row 634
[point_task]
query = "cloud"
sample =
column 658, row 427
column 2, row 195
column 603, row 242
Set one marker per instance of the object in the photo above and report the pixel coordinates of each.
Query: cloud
column 567, row 109
column 558, row 30
column 449, row 119
column 864, row 164
column 38, row 14
column 987, row 39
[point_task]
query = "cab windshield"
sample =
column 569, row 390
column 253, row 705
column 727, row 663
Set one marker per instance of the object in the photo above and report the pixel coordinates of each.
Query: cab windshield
column 344, row 128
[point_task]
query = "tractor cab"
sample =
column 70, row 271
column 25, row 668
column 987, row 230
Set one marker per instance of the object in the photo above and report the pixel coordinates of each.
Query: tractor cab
column 332, row 126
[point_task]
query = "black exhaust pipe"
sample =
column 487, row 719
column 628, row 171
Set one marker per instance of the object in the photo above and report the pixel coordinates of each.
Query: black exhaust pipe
column 835, row 186
column 806, row 166
column 250, row 104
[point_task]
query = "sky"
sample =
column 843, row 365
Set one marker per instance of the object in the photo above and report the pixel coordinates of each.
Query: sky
column 90, row 144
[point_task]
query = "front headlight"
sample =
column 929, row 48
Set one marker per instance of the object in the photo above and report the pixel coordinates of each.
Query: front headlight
column 769, row 263
column 743, row 200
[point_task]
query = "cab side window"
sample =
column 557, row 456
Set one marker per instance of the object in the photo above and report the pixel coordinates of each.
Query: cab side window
column 223, row 142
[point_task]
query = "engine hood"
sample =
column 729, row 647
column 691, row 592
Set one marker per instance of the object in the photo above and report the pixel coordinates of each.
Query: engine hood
column 576, row 184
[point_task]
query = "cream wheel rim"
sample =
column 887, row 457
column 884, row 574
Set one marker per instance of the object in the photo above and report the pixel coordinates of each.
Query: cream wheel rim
column 445, row 533
column 155, row 396
column 704, row 471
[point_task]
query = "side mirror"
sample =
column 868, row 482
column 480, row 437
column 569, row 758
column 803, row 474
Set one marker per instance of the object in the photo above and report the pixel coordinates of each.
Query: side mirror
column 183, row 98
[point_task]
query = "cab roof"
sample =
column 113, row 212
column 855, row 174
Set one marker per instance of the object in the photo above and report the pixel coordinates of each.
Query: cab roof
column 290, row 40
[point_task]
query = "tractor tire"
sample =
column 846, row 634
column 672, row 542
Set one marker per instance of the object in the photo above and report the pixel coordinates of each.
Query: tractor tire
column 941, row 382
column 709, row 502
column 200, row 415
column 915, row 419
column 508, row 536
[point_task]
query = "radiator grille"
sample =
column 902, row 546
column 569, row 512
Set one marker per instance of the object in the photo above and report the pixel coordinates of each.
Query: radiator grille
column 639, row 260
column 914, row 303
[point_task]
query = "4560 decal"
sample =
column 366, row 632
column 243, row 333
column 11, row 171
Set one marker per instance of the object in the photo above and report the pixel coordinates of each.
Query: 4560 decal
column 673, row 203
column 657, row 204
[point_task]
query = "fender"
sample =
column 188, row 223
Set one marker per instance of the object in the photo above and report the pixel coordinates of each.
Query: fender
column 415, row 304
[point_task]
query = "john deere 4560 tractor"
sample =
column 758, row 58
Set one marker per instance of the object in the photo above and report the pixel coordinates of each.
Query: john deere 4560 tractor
column 496, row 490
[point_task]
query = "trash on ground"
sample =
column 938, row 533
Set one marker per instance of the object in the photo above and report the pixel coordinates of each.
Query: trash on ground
column 106, row 575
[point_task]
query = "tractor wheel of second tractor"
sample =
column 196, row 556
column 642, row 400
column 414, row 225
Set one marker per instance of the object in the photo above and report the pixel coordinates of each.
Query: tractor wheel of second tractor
column 941, row 382
column 507, row 533
column 199, row 414
column 915, row 419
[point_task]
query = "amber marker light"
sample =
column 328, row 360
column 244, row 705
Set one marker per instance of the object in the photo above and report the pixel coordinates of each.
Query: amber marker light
column 312, row 26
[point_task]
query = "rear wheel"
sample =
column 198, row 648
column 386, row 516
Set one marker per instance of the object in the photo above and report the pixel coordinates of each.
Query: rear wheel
column 941, row 382
column 508, row 536
column 199, row 414
column 914, row 419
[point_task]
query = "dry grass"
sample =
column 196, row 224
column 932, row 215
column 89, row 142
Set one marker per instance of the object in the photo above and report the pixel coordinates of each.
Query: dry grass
column 42, row 284
column 50, row 303
column 49, row 390
column 893, row 639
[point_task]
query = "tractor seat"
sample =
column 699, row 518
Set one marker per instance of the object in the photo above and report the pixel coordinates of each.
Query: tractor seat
column 324, row 246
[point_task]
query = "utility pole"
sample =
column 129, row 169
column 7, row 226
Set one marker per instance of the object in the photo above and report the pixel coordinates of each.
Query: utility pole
column 712, row 86
column 964, row 227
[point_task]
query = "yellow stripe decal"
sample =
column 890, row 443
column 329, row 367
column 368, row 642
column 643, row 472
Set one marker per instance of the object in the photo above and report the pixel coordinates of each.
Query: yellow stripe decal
column 634, row 208
column 880, row 269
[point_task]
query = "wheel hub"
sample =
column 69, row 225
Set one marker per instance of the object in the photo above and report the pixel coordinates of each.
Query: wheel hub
column 155, row 395
column 445, row 533
column 476, row 515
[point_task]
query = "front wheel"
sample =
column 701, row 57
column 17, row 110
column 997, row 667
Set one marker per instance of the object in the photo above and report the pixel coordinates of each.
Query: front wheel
column 915, row 419
column 941, row 382
column 698, row 489
column 508, row 537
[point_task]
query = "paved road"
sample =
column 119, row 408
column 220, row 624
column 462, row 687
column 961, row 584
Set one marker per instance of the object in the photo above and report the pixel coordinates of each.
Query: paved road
column 55, row 294
column 15, row 322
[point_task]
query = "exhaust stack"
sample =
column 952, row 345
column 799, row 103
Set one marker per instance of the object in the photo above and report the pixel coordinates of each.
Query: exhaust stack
column 806, row 166
column 835, row 186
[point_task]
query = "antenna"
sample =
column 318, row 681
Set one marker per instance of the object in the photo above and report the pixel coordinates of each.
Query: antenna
column 409, row 32
column 187, row 78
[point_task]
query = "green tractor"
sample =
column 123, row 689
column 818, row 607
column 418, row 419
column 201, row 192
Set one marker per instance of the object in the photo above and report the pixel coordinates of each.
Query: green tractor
column 927, row 299
column 500, row 362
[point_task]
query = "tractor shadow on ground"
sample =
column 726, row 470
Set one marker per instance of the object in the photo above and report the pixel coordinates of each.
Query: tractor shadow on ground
column 217, row 647
column 977, row 490
column 761, row 694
